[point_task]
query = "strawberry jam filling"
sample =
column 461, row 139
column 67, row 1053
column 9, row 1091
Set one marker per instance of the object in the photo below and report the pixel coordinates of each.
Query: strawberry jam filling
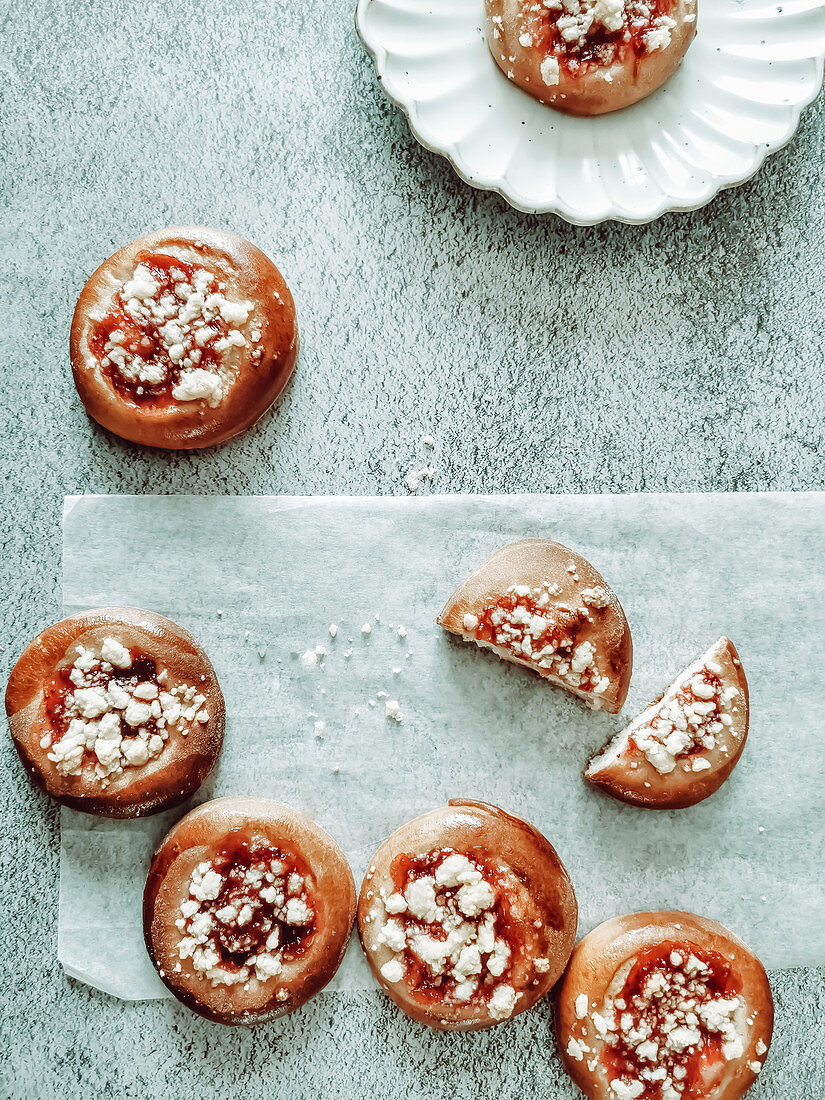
column 593, row 33
column 59, row 692
column 673, row 1024
column 559, row 632
column 248, row 912
column 525, row 622
column 166, row 334
column 689, row 721
column 112, row 708
column 453, row 929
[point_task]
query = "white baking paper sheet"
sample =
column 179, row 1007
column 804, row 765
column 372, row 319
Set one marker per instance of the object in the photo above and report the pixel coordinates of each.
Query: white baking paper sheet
column 259, row 581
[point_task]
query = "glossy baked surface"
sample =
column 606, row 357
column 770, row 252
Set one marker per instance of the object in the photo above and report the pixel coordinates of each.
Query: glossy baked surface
column 247, row 909
column 484, row 909
column 544, row 606
column 621, row 58
column 669, row 992
column 204, row 312
column 116, row 711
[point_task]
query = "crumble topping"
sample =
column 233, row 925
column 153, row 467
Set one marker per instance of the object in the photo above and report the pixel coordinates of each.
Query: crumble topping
column 689, row 720
column 668, row 1013
column 526, row 624
column 170, row 333
column 392, row 709
column 115, row 708
column 579, row 32
column 416, row 478
column 248, row 910
column 598, row 596
column 449, row 931
column 550, row 71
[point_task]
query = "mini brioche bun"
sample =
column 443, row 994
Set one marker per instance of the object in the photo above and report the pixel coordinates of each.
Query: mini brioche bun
column 166, row 780
column 249, row 275
column 534, row 562
column 198, row 837
column 594, row 89
column 467, row 826
column 600, row 956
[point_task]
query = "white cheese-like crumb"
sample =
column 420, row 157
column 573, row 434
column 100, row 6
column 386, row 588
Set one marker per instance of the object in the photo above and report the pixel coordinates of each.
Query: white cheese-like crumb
column 550, row 71
column 502, row 1002
column 627, row 1090
column 415, row 478
column 115, row 653
column 392, row 971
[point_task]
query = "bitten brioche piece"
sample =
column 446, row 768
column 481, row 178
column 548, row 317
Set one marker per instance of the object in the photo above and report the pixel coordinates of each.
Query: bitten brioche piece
column 247, row 910
column 183, row 338
column 116, row 711
column 467, row 916
column 588, row 57
column 685, row 745
column 663, row 1006
column 539, row 604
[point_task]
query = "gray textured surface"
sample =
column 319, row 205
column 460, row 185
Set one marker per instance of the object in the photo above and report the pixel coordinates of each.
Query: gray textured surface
column 684, row 355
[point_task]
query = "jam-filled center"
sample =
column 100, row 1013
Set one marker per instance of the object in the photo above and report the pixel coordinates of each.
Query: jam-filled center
column 452, row 930
column 249, row 910
column 576, row 33
column 526, row 622
column 673, row 1025
column 168, row 334
column 113, row 708
column 689, row 722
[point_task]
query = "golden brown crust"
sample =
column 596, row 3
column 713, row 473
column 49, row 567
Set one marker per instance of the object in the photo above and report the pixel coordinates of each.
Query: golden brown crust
column 249, row 275
column 627, row 774
column 534, row 562
column 464, row 826
column 595, row 89
column 331, row 887
column 164, row 781
column 600, row 956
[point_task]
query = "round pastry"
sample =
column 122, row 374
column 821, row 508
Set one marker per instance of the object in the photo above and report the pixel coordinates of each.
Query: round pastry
column 116, row 712
column 466, row 916
column 183, row 338
column 664, row 1006
column 543, row 606
column 587, row 57
column 684, row 746
column 247, row 909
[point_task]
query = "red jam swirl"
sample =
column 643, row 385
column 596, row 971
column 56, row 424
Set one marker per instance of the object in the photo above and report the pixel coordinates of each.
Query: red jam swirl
column 142, row 338
column 621, row 1061
column 235, row 943
column 562, row 634
column 405, row 868
column 601, row 47
column 58, row 691
column 682, row 697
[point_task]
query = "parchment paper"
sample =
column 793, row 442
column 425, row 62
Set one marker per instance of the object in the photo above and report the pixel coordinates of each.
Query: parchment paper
column 259, row 581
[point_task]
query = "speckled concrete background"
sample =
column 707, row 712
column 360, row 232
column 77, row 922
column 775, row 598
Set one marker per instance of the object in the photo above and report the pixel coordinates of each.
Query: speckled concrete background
column 685, row 355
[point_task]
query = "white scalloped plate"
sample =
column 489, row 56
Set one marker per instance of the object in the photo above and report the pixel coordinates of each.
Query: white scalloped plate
column 736, row 98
